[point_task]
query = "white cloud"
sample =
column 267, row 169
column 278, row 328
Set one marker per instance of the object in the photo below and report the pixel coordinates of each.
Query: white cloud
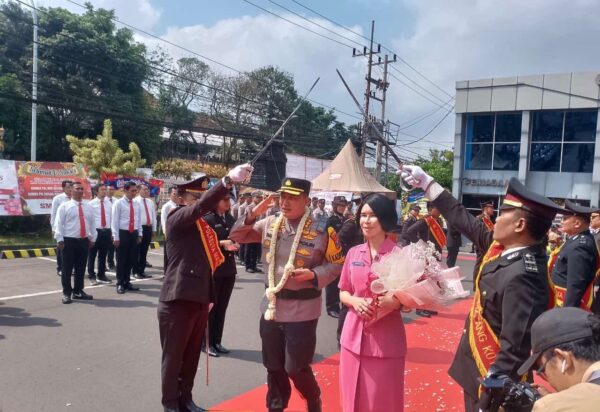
column 470, row 39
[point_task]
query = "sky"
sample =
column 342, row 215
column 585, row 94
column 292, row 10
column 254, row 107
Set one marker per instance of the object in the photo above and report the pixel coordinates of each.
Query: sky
column 438, row 42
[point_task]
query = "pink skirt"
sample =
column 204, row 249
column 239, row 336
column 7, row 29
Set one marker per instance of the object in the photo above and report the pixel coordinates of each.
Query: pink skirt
column 370, row 384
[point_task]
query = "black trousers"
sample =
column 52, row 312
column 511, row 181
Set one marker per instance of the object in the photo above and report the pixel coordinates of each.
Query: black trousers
column 332, row 295
column 287, row 350
column 126, row 256
column 471, row 404
column 452, row 255
column 110, row 258
column 252, row 254
column 74, row 257
column 59, row 255
column 216, row 317
column 100, row 249
column 143, row 249
column 181, row 325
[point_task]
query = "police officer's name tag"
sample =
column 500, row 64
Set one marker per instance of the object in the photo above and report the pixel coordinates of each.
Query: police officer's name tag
column 358, row 264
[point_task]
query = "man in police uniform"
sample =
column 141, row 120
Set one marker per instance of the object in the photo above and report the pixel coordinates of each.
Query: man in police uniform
column 411, row 219
column 187, row 288
column 512, row 286
column 574, row 272
column 486, row 215
column 427, row 231
column 288, row 342
column 335, row 221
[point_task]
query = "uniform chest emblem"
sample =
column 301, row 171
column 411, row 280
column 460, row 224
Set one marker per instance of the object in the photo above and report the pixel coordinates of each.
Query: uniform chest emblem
column 303, row 252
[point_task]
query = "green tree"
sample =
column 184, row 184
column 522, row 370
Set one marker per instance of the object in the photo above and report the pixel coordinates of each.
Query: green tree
column 440, row 166
column 103, row 154
column 88, row 68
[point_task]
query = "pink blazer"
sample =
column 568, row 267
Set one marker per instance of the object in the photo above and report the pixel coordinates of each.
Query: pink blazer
column 386, row 337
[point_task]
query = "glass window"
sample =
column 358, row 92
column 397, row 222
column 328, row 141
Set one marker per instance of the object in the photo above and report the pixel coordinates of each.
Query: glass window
column 508, row 128
column 578, row 157
column 506, row 156
column 547, row 126
column 478, row 157
column 480, row 128
column 581, row 126
column 545, row 157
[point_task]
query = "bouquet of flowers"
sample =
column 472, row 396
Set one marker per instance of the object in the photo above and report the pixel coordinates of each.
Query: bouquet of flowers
column 415, row 272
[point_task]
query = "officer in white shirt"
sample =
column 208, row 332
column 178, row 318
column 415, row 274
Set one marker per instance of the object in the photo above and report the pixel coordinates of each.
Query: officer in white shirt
column 75, row 233
column 102, row 210
column 127, row 235
column 110, row 259
column 148, row 219
column 174, row 201
column 58, row 200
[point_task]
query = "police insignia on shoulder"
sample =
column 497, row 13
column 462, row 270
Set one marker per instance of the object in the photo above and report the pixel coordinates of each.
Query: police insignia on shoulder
column 530, row 263
column 583, row 240
column 513, row 255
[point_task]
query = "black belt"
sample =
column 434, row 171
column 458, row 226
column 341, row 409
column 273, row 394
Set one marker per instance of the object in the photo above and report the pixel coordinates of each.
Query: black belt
column 102, row 230
column 300, row 294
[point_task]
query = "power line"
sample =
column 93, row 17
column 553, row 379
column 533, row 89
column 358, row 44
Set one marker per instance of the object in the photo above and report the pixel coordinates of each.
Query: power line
column 432, row 129
column 365, row 38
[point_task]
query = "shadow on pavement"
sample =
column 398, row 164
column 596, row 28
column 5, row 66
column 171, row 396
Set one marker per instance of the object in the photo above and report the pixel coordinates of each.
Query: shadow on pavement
column 17, row 317
column 245, row 355
column 126, row 302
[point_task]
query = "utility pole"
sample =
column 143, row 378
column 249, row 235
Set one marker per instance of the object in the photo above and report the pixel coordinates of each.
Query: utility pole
column 383, row 86
column 34, row 84
column 366, row 120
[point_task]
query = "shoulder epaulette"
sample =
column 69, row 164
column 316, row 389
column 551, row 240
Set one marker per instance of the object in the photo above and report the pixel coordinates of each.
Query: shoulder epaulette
column 530, row 263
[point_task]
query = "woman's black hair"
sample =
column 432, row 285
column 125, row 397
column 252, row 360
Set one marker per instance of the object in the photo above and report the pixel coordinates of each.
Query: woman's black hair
column 383, row 208
column 586, row 349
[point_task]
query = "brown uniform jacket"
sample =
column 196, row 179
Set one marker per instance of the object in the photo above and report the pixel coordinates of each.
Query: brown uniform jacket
column 188, row 275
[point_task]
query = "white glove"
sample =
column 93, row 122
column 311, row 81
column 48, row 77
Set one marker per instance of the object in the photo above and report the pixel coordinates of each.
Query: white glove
column 415, row 176
column 240, row 173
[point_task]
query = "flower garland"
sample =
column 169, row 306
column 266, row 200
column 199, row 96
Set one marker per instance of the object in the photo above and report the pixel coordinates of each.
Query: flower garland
column 273, row 289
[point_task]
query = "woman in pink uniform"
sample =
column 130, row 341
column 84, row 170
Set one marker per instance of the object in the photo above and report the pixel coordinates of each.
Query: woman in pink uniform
column 372, row 357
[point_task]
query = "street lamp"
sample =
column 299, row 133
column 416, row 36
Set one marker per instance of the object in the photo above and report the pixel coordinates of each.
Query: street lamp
column 34, row 83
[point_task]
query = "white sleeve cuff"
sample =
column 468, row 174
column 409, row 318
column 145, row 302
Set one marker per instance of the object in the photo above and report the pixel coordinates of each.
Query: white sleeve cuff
column 434, row 191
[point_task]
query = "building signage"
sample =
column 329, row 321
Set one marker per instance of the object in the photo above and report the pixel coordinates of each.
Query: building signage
column 485, row 182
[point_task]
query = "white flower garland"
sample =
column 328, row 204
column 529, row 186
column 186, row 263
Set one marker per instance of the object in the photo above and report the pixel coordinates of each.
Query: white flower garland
column 289, row 266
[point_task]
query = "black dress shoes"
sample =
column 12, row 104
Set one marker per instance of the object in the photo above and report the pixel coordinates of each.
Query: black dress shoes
column 130, row 287
column 148, row 265
column 120, row 289
column 82, row 296
column 250, row 270
column 334, row 312
column 190, row 406
column 220, row 348
column 66, row 299
column 211, row 351
column 427, row 313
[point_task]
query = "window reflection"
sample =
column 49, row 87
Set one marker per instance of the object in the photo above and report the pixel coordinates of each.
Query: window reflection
column 480, row 128
column 478, row 157
column 547, row 126
column 581, row 126
column 578, row 158
column 508, row 128
column 545, row 157
column 506, row 156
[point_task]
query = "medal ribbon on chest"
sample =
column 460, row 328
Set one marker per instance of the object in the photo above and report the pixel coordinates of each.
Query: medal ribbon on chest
column 211, row 245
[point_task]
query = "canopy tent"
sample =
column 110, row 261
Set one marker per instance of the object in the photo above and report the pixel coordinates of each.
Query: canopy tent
column 346, row 173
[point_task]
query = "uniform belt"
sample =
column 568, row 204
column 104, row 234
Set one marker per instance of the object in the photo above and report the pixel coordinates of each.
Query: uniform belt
column 99, row 229
column 300, row 294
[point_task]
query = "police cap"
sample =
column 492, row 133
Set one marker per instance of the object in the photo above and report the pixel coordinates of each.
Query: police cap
column 575, row 209
column 194, row 187
column 340, row 201
column 520, row 197
column 487, row 203
column 295, row 186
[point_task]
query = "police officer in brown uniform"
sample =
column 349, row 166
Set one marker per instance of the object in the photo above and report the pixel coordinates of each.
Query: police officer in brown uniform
column 512, row 287
column 187, row 290
column 290, row 313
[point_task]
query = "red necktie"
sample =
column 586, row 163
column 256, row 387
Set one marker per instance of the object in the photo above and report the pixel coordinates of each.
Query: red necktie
column 147, row 214
column 131, row 216
column 102, row 217
column 82, row 231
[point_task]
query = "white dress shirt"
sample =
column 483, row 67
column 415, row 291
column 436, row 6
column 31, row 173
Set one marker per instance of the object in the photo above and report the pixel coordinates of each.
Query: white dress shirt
column 164, row 212
column 56, row 202
column 151, row 211
column 120, row 217
column 97, row 209
column 68, row 224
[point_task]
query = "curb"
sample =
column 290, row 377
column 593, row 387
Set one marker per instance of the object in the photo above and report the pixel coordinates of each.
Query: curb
column 39, row 252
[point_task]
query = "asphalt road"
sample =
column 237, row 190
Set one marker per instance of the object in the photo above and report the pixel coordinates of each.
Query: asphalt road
column 104, row 355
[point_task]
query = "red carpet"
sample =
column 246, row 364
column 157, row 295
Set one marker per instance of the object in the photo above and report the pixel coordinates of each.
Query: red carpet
column 431, row 345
